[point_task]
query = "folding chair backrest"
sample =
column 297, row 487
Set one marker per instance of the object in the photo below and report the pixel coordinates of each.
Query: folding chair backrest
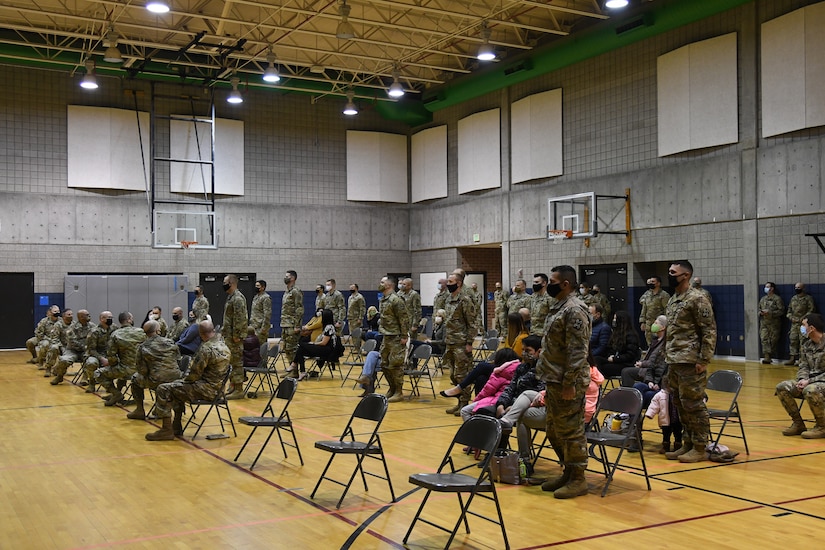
column 355, row 335
column 264, row 350
column 492, row 333
column 727, row 381
column 372, row 407
column 286, row 389
column 491, row 344
column 479, row 432
column 422, row 352
column 622, row 400
column 369, row 346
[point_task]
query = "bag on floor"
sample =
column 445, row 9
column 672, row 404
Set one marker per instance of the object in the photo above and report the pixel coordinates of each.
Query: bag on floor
column 504, row 467
column 720, row 453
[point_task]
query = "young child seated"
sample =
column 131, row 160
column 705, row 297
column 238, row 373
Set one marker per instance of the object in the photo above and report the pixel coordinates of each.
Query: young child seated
column 662, row 407
column 251, row 349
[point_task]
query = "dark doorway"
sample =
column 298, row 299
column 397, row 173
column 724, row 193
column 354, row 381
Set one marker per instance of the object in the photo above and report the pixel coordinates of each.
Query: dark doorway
column 612, row 281
column 17, row 297
column 212, row 284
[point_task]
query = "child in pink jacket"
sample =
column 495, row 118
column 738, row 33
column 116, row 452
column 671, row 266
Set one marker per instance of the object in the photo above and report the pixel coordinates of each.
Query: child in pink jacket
column 496, row 384
column 662, row 407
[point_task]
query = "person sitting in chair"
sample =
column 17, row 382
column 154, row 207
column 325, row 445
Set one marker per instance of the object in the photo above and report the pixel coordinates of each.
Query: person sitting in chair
column 324, row 349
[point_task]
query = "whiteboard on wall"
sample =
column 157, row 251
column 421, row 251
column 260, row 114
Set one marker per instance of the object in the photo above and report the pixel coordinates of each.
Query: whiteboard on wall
column 428, row 286
column 536, row 136
column 376, row 167
column 428, row 164
column 104, row 148
column 697, row 96
column 193, row 141
column 479, row 151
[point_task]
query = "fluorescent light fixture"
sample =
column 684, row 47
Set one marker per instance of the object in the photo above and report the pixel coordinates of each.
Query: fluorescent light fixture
column 615, row 4
column 271, row 72
column 157, row 6
column 345, row 30
column 89, row 81
column 350, row 109
column 234, row 96
column 395, row 89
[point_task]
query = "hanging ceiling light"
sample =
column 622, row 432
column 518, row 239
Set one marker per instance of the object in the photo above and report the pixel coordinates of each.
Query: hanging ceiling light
column 485, row 51
column 157, row 6
column 89, row 81
column 112, row 54
column 350, row 109
column 271, row 72
column 345, row 30
column 395, row 90
column 615, row 4
column 234, row 96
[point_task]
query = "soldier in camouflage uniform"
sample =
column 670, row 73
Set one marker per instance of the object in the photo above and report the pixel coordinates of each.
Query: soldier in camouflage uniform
column 440, row 300
column 292, row 314
column 320, row 297
column 412, row 301
column 654, row 303
column 519, row 298
column 460, row 331
column 540, row 304
column 203, row 381
column 356, row 308
column 479, row 302
column 156, row 316
column 38, row 344
column 261, row 317
column 334, row 300
column 97, row 346
column 810, row 381
column 156, row 362
column 603, row 301
column 58, row 340
column 201, row 305
column 771, row 311
column 179, row 324
column 586, row 294
column 697, row 284
column 564, row 368
column 394, row 327
column 691, row 341
column 500, row 300
column 75, row 349
column 801, row 304
column 235, row 323
column 121, row 354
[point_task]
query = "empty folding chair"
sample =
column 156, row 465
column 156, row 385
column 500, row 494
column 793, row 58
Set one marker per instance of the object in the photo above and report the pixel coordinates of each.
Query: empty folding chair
column 353, row 344
column 370, row 410
column 263, row 372
column 619, row 401
column 479, row 432
column 284, row 393
column 422, row 372
column 219, row 404
column 367, row 347
column 728, row 383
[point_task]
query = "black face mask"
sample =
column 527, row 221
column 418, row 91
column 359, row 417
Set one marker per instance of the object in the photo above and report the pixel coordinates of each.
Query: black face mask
column 452, row 288
column 594, row 292
column 672, row 280
column 287, row 279
column 108, row 322
column 651, row 286
column 537, row 287
column 226, row 287
column 553, row 289
column 797, row 291
column 176, row 317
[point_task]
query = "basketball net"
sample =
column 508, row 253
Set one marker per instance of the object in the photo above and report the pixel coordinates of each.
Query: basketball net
column 558, row 235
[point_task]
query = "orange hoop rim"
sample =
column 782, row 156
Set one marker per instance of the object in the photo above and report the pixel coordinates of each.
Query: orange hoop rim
column 558, row 234
column 186, row 244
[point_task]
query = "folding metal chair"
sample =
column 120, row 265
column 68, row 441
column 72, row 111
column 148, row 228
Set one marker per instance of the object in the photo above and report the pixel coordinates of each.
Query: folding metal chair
column 728, row 382
column 263, row 372
column 219, row 403
column 536, row 450
column 487, row 348
column 353, row 344
column 492, row 333
column 479, row 432
column 319, row 365
column 285, row 392
column 620, row 400
column 417, row 375
column 367, row 347
column 370, row 410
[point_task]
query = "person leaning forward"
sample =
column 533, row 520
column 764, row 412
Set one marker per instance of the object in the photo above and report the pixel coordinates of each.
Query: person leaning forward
column 203, row 381
column 121, row 355
column 156, row 362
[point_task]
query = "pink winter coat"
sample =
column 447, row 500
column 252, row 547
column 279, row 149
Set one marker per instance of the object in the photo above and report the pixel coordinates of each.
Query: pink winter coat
column 591, row 396
column 659, row 406
column 499, row 380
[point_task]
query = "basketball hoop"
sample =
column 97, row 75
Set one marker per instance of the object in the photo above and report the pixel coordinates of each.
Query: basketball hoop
column 558, row 235
column 186, row 244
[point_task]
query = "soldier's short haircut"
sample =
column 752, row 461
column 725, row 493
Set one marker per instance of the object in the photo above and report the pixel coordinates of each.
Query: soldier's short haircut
column 331, row 281
column 233, row 279
column 292, row 273
column 566, row 273
column 261, row 282
column 459, row 271
column 123, row 317
column 815, row 320
column 151, row 327
column 521, row 281
column 598, row 309
column 393, row 279
column 684, row 264
column 67, row 310
column 356, row 286
column 157, row 308
column 200, row 288
column 459, row 276
column 656, row 277
column 532, row 341
column 585, row 284
column 771, row 284
column 542, row 276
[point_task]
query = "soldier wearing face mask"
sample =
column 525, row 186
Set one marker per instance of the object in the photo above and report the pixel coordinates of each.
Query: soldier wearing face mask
column 58, row 340
column 413, row 302
column 540, row 304
column 500, row 300
column 771, row 311
column 654, row 303
column 519, row 298
column 96, row 345
column 39, row 344
column 801, row 304
column 179, row 324
column 586, row 294
column 334, row 301
column 201, row 305
column 75, row 348
column 235, row 323
column 440, row 299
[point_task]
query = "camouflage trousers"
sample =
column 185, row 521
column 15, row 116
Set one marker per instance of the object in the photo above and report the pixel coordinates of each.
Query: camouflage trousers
column 769, row 336
column 236, row 360
column 90, row 365
column 392, row 352
column 141, row 383
column 794, row 338
column 31, row 345
column 66, row 360
column 289, row 343
column 501, row 320
column 42, row 351
column 173, row 396
column 106, row 376
column 565, row 426
column 53, row 353
column 687, row 387
column 456, row 358
column 813, row 394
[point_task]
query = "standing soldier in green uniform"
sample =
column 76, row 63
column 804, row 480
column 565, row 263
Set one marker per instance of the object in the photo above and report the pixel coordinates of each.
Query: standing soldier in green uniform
column 97, row 345
column 412, row 300
column 334, row 300
column 697, row 284
column 75, row 350
column 654, row 303
column 394, row 326
column 603, row 301
column 519, row 298
column 800, row 305
column 235, row 323
column 201, row 305
column 771, row 311
column 261, row 318
column 459, row 333
column 179, row 324
column 356, row 308
column 121, row 355
column 564, row 368
column 586, row 294
column 156, row 362
column 292, row 314
column 500, row 300
column 691, row 341
column 440, row 300
column 540, row 304
column 810, row 381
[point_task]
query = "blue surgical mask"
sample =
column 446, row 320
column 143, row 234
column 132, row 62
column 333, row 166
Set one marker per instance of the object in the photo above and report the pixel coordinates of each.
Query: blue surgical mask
column 804, row 330
column 767, row 289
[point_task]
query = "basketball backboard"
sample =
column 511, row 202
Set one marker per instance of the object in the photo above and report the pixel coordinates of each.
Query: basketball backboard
column 174, row 227
column 574, row 213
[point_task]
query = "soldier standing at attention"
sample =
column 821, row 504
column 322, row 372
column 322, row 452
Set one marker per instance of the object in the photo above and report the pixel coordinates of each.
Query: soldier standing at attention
column 334, row 301
column 356, row 308
column 459, row 333
column 540, row 304
column 564, row 368
column 654, row 302
column 440, row 300
column 412, row 300
column 202, row 382
column 500, row 302
column 292, row 313
column 479, row 302
column 801, row 304
column 235, row 323
column 97, row 345
column 179, row 324
column 771, row 310
column 75, row 351
column 691, row 341
column 201, row 305
column 519, row 298
column 121, row 355
column 586, row 294
column 156, row 362
column 261, row 317
column 394, row 328
column 697, row 284
column 602, row 300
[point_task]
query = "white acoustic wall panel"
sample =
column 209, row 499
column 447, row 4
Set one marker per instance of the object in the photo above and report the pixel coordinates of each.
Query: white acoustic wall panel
column 193, row 141
column 479, row 151
column 698, row 96
column 104, row 148
column 428, row 287
column 376, row 167
column 536, row 136
column 428, row 164
column 793, row 71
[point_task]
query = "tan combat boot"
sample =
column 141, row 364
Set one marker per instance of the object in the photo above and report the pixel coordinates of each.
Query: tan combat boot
column 767, row 359
column 114, row 399
column 165, row 433
column 675, row 454
column 575, row 487
column 56, row 380
column 791, row 361
column 237, row 391
column 139, row 413
column 555, row 483
column 818, row 431
column 797, row 428
column 696, row 454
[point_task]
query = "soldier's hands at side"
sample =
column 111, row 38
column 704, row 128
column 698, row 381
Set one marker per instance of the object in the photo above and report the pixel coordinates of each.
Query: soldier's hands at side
column 701, row 368
column 568, row 392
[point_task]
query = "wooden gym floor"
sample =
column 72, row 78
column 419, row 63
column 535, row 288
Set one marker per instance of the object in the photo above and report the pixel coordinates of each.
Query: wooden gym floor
column 76, row 474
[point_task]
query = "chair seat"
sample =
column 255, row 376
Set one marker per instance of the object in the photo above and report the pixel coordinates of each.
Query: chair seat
column 605, row 438
column 448, row 482
column 264, row 421
column 722, row 413
column 347, row 447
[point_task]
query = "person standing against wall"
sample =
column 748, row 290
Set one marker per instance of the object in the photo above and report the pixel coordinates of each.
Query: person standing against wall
column 771, row 311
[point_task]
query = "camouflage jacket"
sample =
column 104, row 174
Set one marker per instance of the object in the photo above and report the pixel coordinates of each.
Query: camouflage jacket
column 412, row 300
column 210, row 364
column 460, row 322
column 540, row 305
column 691, row 329
column 356, row 309
column 292, row 308
column 235, row 319
column 440, row 300
column 563, row 358
column 800, row 306
column 653, row 305
column 42, row 327
column 773, row 304
column 97, row 343
column 517, row 301
column 77, row 334
column 123, row 346
column 812, row 361
column 261, row 318
column 604, row 301
column 58, row 333
column 394, row 318
column 335, row 301
column 157, row 360
column 500, row 300
column 200, row 307
column 177, row 329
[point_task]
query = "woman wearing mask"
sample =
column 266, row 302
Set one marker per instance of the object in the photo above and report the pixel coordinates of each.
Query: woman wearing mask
column 624, row 347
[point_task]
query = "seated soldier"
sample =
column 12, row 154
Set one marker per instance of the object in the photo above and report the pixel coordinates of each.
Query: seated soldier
column 97, row 345
column 156, row 362
column 179, row 324
column 122, row 352
column 203, row 381
column 57, row 340
column 40, row 332
column 75, row 350
column 810, row 380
